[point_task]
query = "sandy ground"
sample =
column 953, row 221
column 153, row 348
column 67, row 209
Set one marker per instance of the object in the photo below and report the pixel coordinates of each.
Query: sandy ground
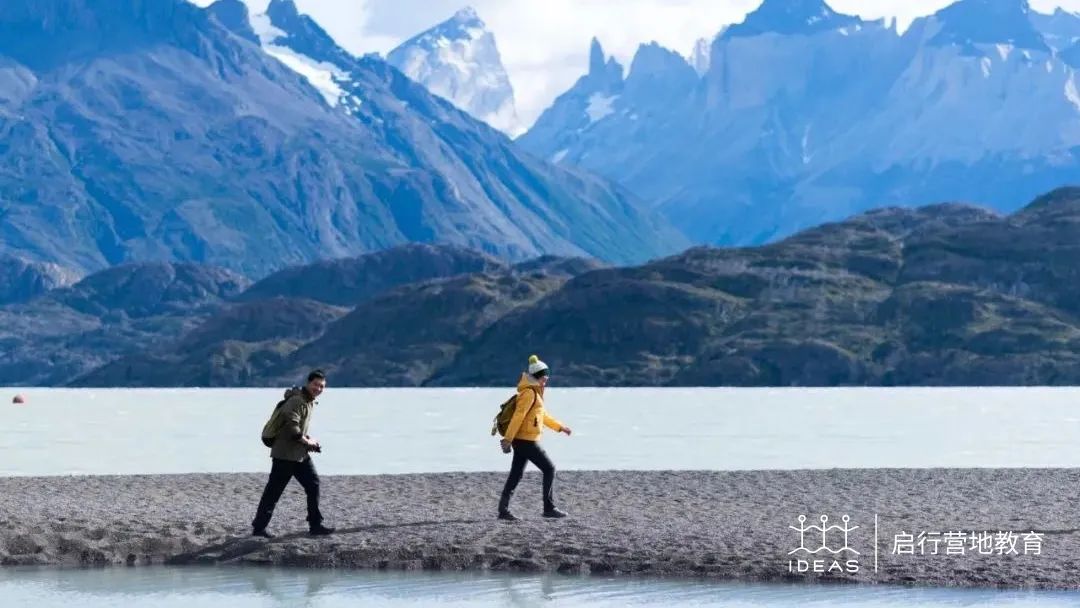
column 721, row 525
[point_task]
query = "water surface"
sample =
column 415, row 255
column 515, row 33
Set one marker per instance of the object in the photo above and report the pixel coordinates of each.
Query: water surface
column 266, row 588
column 89, row 431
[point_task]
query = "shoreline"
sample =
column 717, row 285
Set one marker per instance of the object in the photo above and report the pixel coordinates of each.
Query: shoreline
column 701, row 525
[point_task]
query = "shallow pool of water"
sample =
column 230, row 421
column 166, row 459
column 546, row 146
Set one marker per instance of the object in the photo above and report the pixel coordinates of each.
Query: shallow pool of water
column 259, row 587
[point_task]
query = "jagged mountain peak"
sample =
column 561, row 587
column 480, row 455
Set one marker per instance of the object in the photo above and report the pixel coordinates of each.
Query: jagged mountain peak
column 302, row 34
column 468, row 15
column 655, row 58
column 596, row 57
column 465, row 25
column 791, row 17
column 459, row 60
column 604, row 72
column 969, row 22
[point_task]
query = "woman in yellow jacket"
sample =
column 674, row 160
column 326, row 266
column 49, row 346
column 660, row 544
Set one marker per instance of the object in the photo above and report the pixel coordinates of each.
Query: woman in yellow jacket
column 523, row 436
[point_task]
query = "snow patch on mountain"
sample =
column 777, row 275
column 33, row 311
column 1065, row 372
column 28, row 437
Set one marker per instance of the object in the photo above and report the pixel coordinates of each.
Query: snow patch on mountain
column 264, row 28
column 1071, row 92
column 600, row 107
column 325, row 77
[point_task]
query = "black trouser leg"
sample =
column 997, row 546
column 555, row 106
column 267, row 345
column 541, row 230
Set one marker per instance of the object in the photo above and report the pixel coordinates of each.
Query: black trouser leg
column 280, row 473
column 524, row 452
column 540, row 458
column 309, row 479
column 517, row 469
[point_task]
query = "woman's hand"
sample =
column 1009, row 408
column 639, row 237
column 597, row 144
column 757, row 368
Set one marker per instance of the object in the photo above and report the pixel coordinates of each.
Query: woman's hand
column 566, row 430
column 505, row 445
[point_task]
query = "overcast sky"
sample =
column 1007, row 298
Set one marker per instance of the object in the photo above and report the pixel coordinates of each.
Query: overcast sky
column 544, row 43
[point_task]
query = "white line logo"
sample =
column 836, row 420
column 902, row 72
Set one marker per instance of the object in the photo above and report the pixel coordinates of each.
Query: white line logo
column 824, row 529
column 819, row 537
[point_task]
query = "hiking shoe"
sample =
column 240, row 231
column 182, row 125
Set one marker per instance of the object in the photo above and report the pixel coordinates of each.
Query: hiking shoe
column 262, row 533
column 554, row 513
column 321, row 530
column 508, row 516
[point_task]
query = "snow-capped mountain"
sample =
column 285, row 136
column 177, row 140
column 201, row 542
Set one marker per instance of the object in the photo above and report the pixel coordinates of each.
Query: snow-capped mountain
column 138, row 130
column 458, row 60
column 805, row 115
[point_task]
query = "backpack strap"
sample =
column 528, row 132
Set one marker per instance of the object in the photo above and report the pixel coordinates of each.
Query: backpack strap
column 536, row 397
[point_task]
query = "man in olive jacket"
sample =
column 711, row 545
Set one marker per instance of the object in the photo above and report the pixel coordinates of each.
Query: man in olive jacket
column 291, row 454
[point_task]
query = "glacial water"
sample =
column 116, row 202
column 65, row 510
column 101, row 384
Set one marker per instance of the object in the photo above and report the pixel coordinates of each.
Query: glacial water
column 120, row 431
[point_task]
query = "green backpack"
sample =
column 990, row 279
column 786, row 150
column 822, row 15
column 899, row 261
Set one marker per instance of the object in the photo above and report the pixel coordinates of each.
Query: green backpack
column 506, row 413
column 273, row 425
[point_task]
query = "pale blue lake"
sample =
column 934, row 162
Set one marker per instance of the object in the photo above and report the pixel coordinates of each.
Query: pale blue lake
column 119, row 431
column 63, row 432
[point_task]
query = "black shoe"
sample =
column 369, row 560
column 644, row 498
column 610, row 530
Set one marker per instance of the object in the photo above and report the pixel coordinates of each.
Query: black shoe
column 262, row 533
column 321, row 530
column 554, row 513
column 508, row 516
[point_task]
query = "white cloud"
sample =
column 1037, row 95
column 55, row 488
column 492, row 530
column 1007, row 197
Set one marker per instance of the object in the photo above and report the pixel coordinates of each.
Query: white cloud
column 545, row 43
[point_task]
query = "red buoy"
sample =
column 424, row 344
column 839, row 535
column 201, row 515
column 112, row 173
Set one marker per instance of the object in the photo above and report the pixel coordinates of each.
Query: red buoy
column 19, row 400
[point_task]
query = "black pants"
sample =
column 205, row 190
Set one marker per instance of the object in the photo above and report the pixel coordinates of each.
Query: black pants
column 529, row 451
column 280, row 474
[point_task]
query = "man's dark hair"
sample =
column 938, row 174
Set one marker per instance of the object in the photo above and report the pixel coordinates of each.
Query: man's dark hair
column 316, row 374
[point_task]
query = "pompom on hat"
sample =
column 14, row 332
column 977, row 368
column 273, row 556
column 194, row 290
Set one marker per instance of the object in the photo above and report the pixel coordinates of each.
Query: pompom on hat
column 537, row 368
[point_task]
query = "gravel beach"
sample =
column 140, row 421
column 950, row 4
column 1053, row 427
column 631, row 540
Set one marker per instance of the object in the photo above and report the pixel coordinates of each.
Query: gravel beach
column 978, row 527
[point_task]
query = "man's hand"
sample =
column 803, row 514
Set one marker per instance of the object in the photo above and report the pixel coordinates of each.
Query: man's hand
column 566, row 430
column 505, row 445
column 310, row 443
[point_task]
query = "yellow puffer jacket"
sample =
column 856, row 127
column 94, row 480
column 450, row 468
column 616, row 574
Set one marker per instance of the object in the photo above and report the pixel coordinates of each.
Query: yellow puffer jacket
column 530, row 418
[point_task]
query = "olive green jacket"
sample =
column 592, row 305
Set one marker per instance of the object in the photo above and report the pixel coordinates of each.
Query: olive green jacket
column 295, row 419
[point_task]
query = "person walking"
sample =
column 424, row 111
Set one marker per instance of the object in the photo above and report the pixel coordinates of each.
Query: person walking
column 523, row 437
column 291, row 453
